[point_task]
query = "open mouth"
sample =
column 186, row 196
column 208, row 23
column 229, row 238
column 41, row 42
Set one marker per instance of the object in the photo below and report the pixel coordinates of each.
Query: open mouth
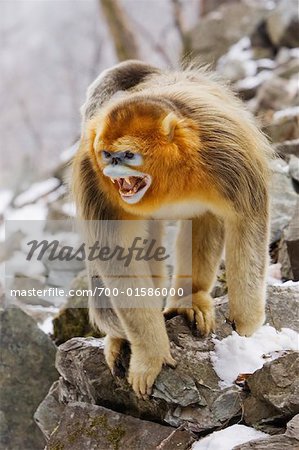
column 132, row 188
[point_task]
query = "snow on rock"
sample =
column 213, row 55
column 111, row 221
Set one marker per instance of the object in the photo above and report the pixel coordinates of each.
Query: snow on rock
column 5, row 198
column 237, row 354
column 36, row 191
column 47, row 325
column 18, row 264
column 69, row 208
column 37, row 211
column 228, row 438
column 274, row 274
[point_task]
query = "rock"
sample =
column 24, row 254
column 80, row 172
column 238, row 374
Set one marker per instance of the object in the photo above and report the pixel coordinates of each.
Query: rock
column 284, row 126
column 216, row 32
column 294, row 167
column 282, row 24
column 275, row 93
column 287, row 441
column 27, row 371
column 288, row 252
column 261, row 44
column 287, row 148
column 48, row 414
column 84, row 426
column 288, row 69
column 283, row 198
column 275, row 388
column 188, row 395
column 11, row 243
column 61, row 272
column 58, row 217
column 25, row 284
column 280, row 442
column 284, row 259
column 293, row 428
column 282, row 301
column 292, row 242
column 220, row 286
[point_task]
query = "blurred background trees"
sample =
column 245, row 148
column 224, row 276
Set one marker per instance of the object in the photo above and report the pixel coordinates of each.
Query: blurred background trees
column 50, row 53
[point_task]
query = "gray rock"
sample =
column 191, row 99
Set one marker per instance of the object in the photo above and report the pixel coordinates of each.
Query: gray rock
column 292, row 242
column 216, row 32
column 27, row 372
column 293, row 428
column 276, row 94
column 287, row 441
column 24, row 284
column 284, row 126
column 283, row 198
column 294, row 167
column 274, row 389
column 188, row 395
column 281, row 303
column 288, row 69
column 288, row 251
column 284, row 259
column 61, row 278
column 11, row 243
column 279, row 442
column 287, row 148
column 220, row 286
column 84, row 426
column 282, row 24
column 48, row 414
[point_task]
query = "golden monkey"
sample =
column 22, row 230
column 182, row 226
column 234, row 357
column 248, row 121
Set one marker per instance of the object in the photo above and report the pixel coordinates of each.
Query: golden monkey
column 175, row 145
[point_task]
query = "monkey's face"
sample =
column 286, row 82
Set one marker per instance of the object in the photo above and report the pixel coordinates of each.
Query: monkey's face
column 146, row 154
column 120, row 167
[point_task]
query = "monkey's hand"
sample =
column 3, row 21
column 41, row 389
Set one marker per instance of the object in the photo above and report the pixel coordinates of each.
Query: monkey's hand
column 200, row 316
column 144, row 368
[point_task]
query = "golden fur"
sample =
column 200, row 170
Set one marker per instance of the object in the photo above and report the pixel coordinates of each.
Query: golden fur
column 208, row 162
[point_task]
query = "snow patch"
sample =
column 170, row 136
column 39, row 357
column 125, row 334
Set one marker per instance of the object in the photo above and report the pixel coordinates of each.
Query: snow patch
column 18, row 264
column 47, row 325
column 36, row 191
column 274, row 274
column 292, row 111
column 228, row 438
column 5, row 198
column 237, row 354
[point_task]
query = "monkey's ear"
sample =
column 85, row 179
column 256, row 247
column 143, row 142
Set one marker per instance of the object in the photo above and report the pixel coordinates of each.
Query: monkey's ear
column 92, row 130
column 168, row 125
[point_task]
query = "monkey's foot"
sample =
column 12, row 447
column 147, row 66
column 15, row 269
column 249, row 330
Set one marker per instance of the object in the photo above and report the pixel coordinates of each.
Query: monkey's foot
column 144, row 369
column 246, row 323
column 112, row 351
column 201, row 316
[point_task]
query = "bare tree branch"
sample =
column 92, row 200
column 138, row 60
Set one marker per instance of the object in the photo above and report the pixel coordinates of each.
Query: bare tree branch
column 124, row 40
column 178, row 18
column 154, row 44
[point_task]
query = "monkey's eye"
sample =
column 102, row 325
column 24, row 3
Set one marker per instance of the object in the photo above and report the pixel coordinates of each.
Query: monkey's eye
column 106, row 155
column 129, row 155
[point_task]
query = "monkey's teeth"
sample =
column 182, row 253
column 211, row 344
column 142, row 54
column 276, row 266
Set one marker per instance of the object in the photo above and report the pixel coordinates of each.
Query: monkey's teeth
column 128, row 180
column 113, row 181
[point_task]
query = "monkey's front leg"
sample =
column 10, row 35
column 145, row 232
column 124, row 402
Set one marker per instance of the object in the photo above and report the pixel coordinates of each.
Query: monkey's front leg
column 149, row 347
column 207, row 246
column 246, row 263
